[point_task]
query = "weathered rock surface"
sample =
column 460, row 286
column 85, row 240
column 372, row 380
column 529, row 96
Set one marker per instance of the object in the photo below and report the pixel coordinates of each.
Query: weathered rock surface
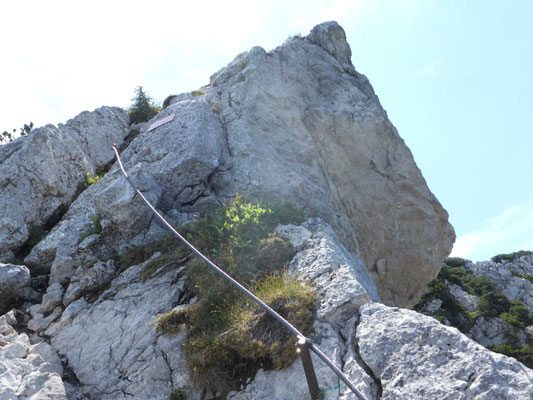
column 15, row 283
column 417, row 357
column 28, row 371
column 14, row 278
column 112, row 345
column 39, row 174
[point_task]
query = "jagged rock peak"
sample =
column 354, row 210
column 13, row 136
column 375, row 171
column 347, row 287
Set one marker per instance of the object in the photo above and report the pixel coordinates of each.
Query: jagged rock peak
column 331, row 37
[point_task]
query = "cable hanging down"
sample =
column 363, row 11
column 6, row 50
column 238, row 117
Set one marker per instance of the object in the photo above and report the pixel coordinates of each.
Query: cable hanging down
column 246, row 292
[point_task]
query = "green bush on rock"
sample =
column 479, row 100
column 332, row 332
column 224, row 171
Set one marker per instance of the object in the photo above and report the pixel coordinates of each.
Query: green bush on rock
column 229, row 338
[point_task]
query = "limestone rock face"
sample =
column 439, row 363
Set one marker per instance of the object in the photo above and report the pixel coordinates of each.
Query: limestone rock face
column 39, row 174
column 417, row 357
column 301, row 123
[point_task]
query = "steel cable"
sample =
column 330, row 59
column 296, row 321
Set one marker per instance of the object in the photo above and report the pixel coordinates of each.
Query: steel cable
column 241, row 288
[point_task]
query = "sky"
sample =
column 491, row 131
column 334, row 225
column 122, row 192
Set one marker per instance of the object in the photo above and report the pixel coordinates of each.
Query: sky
column 455, row 76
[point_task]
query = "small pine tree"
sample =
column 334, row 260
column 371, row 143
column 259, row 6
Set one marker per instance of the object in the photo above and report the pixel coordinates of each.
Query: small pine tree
column 9, row 137
column 143, row 108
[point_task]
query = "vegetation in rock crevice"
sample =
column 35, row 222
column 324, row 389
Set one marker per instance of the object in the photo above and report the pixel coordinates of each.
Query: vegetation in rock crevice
column 96, row 228
column 229, row 338
column 491, row 304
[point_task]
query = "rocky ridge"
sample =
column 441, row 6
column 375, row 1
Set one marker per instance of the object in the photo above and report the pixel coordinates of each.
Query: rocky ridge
column 298, row 122
column 490, row 301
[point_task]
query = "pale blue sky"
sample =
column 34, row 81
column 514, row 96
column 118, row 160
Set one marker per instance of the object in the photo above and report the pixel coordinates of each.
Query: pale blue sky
column 455, row 76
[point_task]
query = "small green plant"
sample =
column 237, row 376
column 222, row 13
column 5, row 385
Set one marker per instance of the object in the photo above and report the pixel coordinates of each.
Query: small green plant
column 511, row 256
column 35, row 235
column 215, row 108
column 240, row 78
column 170, row 322
column 143, row 108
column 177, row 395
column 196, row 93
column 96, row 228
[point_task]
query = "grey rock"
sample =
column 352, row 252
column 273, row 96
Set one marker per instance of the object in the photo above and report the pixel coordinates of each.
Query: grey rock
column 489, row 331
column 300, row 127
column 28, row 371
column 39, row 174
column 53, row 297
column 415, row 356
column 297, row 235
column 13, row 278
column 467, row 300
column 88, row 278
column 40, row 321
column 340, row 278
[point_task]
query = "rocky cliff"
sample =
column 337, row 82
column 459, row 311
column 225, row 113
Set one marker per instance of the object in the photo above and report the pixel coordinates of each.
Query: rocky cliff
column 298, row 123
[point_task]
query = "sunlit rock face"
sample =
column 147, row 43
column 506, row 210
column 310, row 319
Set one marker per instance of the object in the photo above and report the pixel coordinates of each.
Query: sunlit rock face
column 296, row 123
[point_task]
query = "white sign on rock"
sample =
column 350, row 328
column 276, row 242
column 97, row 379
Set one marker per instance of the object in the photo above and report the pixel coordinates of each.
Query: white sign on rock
column 160, row 122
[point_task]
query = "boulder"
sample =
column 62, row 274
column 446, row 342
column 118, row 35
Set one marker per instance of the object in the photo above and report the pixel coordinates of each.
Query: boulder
column 14, row 285
column 415, row 356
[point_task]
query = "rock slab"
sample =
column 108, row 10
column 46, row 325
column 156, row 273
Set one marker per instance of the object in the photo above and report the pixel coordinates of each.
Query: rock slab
column 415, row 356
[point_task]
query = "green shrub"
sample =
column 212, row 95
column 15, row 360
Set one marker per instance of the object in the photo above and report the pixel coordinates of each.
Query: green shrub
column 167, row 101
column 196, row 93
column 143, row 108
column 456, row 262
column 226, row 341
column 511, row 256
column 529, row 277
column 517, row 316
